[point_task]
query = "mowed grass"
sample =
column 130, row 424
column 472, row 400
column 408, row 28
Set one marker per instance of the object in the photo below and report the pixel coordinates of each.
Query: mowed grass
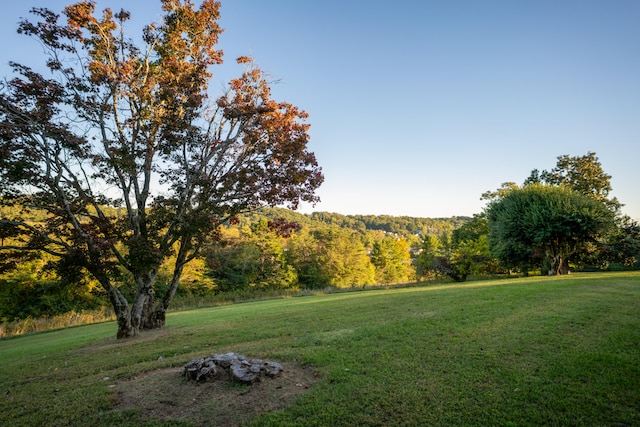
column 522, row 352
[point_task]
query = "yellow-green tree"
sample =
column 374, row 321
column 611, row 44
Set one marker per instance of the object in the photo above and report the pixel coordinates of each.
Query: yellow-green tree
column 392, row 260
column 253, row 259
column 330, row 257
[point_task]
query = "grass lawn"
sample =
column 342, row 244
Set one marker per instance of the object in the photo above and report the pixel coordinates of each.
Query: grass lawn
column 521, row 352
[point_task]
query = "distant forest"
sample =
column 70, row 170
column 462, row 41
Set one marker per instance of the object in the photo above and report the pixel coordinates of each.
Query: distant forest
column 267, row 250
column 404, row 226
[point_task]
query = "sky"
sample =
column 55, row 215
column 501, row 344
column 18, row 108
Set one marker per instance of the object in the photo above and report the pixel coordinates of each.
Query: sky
column 417, row 107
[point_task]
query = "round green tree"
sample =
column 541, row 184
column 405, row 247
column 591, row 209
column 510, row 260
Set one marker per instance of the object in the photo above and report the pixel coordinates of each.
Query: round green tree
column 547, row 225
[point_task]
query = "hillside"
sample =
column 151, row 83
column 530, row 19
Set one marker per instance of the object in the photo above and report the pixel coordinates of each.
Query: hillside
column 401, row 225
column 534, row 351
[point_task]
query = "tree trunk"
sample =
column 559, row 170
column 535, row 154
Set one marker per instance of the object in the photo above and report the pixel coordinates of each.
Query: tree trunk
column 554, row 262
column 152, row 317
column 125, row 330
column 558, row 257
column 155, row 317
column 559, row 265
column 123, row 313
column 120, row 305
column 143, row 301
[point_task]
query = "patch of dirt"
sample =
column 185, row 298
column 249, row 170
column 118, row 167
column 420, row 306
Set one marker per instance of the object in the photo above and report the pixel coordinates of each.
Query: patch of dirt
column 165, row 394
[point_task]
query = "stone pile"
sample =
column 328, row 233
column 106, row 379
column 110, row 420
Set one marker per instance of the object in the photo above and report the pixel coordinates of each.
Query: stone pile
column 231, row 366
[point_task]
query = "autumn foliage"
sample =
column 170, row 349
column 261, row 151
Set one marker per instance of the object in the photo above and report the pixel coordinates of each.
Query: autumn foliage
column 120, row 123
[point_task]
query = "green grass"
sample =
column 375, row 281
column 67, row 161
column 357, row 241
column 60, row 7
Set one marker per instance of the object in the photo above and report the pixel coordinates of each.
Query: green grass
column 532, row 351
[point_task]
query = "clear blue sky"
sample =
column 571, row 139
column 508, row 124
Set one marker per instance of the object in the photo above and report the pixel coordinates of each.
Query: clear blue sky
column 418, row 107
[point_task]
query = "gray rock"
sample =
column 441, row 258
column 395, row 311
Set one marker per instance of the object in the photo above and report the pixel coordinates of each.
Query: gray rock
column 243, row 374
column 224, row 360
column 272, row 369
column 231, row 366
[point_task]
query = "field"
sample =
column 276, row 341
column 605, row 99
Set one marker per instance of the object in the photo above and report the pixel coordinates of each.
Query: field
column 519, row 352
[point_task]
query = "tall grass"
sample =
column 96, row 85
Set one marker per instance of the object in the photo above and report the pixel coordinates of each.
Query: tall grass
column 43, row 324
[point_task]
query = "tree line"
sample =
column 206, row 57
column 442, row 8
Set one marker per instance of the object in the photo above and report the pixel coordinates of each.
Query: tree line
column 270, row 249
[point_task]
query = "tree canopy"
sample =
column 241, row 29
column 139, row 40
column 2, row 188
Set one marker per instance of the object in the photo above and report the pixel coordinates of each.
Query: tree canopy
column 545, row 222
column 583, row 174
column 120, row 123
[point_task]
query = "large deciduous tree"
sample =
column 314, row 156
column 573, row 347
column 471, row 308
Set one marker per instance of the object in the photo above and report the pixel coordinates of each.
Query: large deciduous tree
column 114, row 122
column 542, row 219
